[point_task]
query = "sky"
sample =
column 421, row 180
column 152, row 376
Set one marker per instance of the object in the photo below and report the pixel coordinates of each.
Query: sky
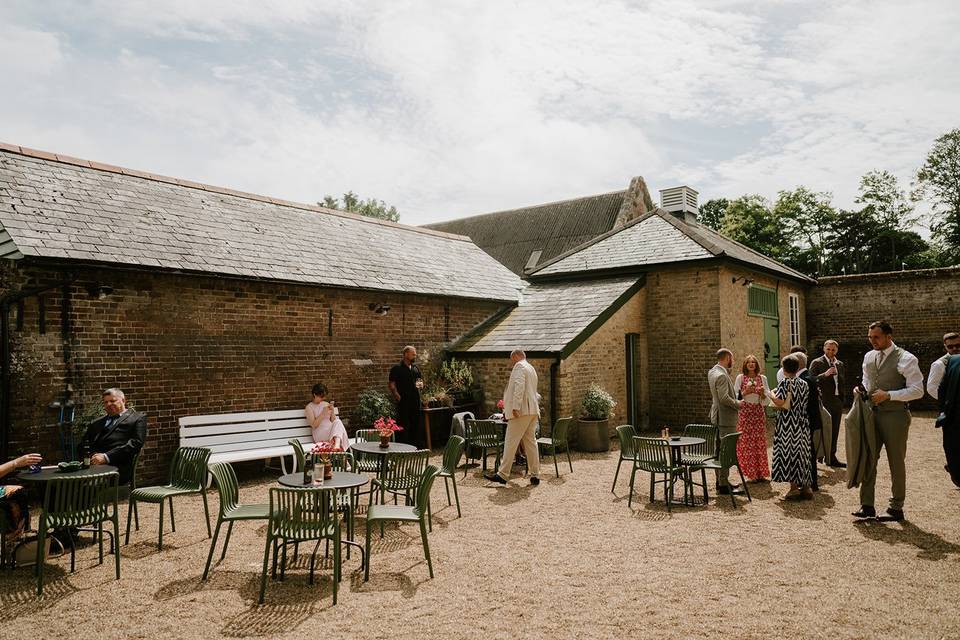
column 447, row 109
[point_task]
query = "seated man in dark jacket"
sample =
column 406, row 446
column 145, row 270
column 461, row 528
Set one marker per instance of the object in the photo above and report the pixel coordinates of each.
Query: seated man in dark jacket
column 118, row 436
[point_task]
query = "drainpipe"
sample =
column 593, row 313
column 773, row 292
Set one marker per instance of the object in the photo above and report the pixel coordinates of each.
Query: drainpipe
column 554, row 369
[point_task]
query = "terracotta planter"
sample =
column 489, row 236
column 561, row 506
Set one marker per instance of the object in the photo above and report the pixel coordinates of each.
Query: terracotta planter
column 384, row 442
column 327, row 471
column 593, row 435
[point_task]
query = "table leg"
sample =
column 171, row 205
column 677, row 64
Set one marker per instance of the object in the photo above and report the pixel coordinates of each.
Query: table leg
column 426, row 428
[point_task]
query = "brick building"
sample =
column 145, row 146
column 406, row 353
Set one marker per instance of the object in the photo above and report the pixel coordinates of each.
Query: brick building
column 196, row 299
column 640, row 308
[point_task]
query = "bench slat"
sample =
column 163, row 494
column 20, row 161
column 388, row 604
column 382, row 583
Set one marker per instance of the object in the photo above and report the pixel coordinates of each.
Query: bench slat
column 268, row 439
column 242, row 427
column 222, row 418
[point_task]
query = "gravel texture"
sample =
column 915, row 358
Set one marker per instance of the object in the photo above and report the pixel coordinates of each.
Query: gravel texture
column 567, row 559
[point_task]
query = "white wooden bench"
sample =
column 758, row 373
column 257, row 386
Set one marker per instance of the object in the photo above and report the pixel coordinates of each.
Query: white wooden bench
column 237, row 437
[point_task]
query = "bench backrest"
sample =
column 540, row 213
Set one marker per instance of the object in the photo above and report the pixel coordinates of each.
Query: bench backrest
column 226, row 432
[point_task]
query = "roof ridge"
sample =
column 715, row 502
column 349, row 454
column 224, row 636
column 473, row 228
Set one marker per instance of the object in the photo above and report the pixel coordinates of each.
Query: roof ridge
column 182, row 182
column 592, row 241
column 532, row 206
column 689, row 231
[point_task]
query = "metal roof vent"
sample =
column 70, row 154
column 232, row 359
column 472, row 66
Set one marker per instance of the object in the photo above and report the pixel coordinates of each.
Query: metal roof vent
column 681, row 202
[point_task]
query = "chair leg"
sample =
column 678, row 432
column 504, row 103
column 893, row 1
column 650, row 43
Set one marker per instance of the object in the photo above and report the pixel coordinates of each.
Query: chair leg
column 652, row 483
column 633, row 476
column 446, row 485
column 336, row 564
column 366, row 565
column 100, row 540
column 455, row 495
column 226, row 542
column 569, row 461
column 160, row 536
column 136, row 517
column 173, row 523
column 73, row 552
column 426, row 546
column 41, row 545
column 743, row 483
column 266, row 557
column 703, row 477
column 617, row 473
column 213, row 545
column 131, row 505
column 429, row 516
column 206, row 510
column 116, row 541
column 556, row 467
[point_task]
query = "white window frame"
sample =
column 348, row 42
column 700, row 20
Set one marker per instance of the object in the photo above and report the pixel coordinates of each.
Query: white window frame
column 794, row 306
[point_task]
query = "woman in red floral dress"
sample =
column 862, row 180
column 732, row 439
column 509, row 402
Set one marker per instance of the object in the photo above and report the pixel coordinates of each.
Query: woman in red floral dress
column 752, row 421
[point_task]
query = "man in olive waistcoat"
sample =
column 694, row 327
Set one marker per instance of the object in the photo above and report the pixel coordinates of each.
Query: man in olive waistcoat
column 891, row 378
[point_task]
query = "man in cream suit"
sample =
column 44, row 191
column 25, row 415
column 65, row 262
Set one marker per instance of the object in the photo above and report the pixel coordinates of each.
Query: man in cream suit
column 725, row 406
column 522, row 410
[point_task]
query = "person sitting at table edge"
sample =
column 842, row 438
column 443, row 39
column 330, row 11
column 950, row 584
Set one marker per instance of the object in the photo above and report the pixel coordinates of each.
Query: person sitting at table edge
column 117, row 437
column 13, row 500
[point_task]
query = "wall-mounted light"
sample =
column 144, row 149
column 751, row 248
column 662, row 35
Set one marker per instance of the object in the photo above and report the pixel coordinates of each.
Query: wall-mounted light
column 379, row 308
column 99, row 291
column 746, row 281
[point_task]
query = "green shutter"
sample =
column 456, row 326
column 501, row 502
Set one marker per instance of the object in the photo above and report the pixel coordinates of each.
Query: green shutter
column 762, row 302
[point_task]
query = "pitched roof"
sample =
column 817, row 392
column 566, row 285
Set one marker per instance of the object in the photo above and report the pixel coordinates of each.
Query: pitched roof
column 658, row 238
column 553, row 228
column 64, row 208
column 551, row 318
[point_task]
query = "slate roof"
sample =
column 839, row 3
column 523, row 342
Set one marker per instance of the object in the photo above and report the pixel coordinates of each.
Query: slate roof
column 551, row 318
column 57, row 207
column 658, row 238
column 554, row 227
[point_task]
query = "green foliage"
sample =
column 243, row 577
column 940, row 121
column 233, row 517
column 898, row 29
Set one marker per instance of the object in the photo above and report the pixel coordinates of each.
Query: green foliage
column 805, row 218
column 373, row 404
column 939, row 180
column 597, row 403
column 371, row 207
column 711, row 213
column 456, row 375
column 749, row 220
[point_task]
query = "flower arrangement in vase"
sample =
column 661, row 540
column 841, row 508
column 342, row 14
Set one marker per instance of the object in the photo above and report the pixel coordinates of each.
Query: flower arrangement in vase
column 322, row 450
column 386, row 427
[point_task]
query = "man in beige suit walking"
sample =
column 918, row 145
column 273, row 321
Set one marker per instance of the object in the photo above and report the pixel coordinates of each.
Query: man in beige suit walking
column 724, row 407
column 522, row 410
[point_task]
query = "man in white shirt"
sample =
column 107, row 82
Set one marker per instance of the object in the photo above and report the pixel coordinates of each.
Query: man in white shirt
column 951, row 344
column 892, row 378
column 521, row 407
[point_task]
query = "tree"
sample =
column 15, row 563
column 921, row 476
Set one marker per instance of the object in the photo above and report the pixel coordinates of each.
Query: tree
column 372, row 208
column 939, row 179
column 880, row 192
column 711, row 213
column 750, row 221
column 806, row 218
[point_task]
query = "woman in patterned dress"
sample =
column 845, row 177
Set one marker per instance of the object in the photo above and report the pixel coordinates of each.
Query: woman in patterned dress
column 791, row 440
column 751, row 386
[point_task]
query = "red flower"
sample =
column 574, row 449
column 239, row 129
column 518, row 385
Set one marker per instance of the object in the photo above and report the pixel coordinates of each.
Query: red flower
column 500, row 405
column 386, row 426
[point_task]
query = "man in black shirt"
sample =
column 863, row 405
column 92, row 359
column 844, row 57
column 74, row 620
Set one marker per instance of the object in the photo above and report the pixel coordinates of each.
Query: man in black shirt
column 405, row 384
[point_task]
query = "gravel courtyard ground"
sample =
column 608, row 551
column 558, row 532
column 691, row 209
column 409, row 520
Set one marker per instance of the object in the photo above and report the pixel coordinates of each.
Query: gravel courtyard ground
column 567, row 559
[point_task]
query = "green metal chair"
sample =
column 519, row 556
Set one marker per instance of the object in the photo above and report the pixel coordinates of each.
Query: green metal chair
column 696, row 455
column 448, row 468
column 230, row 508
column 301, row 515
column 558, row 438
column 188, row 475
column 727, row 460
column 483, row 435
column 76, row 501
column 299, row 456
column 625, row 433
column 653, row 456
column 415, row 513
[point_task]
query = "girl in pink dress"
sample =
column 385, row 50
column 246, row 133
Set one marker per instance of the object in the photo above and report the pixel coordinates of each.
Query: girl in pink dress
column 752, row 421
column 324, row 423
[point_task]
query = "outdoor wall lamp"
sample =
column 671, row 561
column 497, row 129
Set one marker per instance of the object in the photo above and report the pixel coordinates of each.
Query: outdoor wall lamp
column 746, row 281
column 379, row 308
column 99, row 291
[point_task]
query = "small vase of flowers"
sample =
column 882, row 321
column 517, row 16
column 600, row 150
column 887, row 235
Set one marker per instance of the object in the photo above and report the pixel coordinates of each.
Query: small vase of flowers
column 386, row 427
column 322, row 451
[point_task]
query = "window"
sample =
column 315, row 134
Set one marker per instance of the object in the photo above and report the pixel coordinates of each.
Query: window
column 762, row 302
column 794, row 319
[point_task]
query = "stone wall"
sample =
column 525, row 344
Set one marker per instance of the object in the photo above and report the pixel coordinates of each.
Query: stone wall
column 921, row 305
column 184, row 345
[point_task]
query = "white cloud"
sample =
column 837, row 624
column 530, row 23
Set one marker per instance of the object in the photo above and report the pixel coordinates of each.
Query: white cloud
column 457, row 108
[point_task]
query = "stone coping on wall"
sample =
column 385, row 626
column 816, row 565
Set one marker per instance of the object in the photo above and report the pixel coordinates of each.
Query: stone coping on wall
column 941, row 272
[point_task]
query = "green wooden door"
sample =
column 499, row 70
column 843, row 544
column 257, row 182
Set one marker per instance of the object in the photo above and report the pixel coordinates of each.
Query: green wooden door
column 771, row 348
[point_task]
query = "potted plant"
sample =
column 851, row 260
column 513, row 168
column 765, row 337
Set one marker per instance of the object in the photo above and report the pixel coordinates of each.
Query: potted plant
column 321, row 451
column 436, row 396
column 372, row 404
column 592, row 427
column 386, row 427
column 457, row 376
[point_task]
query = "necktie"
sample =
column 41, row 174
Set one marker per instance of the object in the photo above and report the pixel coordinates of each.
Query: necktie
column 880, row 359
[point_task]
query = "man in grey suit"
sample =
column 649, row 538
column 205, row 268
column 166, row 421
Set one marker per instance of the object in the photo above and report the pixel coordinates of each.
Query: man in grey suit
column 725, row 406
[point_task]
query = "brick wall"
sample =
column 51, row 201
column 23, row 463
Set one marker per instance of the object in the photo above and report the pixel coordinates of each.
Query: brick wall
column 921, row 305
column 493, row 373
column 184, row 345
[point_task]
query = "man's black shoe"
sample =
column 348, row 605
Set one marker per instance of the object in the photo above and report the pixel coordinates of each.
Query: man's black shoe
column 534, row 480
column 865, row 512
column 494, row 477
column 836, row 464
column 723, row 491
column 893, row 515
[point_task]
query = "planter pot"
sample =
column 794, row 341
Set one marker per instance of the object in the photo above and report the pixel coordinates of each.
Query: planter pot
column 327, row 471
column 384, row 442
column 593, row 435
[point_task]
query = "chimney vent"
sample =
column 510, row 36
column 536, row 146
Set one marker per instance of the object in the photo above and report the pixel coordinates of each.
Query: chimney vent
column 681, row 202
